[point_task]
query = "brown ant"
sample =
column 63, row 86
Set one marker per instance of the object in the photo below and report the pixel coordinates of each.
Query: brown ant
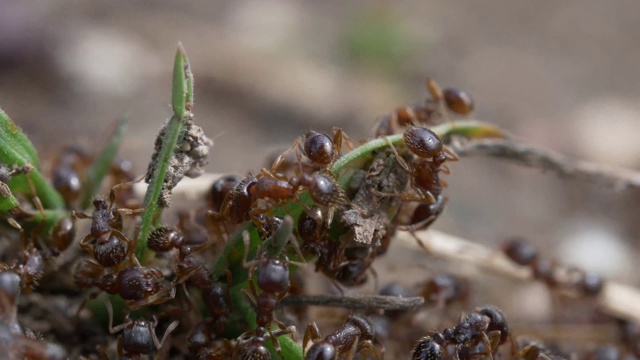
column 138, row 336
column 272, row 277
column 219, row 190
column 17, row 342
column 321, row 149
column 487, row 325
column 138, row 286
column 355, row 336
column 111, row 246
column 253, row 347
column 554, row 275
column 444, row 289
column 458, row 101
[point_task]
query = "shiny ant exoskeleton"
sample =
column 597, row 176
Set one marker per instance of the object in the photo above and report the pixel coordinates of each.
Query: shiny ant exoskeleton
column 219, row 190
column 321, row 149
column 356, row 336
column 272, row 277
column 66, row 170
column 138, row 336
column 252, row 346
column 138, row 286
column 111, row 246
column 428, row 112
column 444, row 289
column 486, row 326
column 554, row 275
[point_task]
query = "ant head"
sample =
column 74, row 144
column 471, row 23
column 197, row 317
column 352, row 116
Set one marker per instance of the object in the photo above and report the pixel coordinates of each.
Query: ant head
column 319, row 148
column 100, row 203
column 322, row 351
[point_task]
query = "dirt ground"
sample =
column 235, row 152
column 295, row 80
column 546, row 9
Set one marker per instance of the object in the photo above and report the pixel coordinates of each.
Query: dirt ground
column 558, row 75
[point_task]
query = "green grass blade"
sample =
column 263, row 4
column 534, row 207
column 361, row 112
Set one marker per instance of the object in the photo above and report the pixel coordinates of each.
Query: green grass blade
column 172, row 135
column 17, row 150
column 103, row 162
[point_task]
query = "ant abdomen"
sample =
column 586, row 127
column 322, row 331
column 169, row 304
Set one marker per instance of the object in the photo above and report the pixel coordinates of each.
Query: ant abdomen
column 422, row 142
column 164, row 239
column 110, row 252
column 458, row 101
column 319, row 148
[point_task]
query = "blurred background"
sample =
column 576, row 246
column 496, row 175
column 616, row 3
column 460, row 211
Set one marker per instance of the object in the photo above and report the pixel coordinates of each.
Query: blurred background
column 558, row 75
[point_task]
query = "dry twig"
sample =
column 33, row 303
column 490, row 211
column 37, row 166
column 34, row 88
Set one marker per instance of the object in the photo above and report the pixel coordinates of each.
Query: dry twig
column 605, row 175
column 360, row 302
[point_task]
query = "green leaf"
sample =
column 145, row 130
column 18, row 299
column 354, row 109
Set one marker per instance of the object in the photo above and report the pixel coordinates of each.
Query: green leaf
column 180, row 88
column 172, row 136
column 17, row 150
column 103, row 162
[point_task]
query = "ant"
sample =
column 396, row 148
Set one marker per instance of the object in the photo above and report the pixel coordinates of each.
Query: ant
column 17, row 342
column 458, row 101
column 111, row 246
column 253, row 348
column 444, row 289
column 487, row 325
column 272, row 277
column 219, row 190
column 66, row 172
column 355, row 336
column 138, row 336
column 138, row 286
column 524, row 253
column 321, row 149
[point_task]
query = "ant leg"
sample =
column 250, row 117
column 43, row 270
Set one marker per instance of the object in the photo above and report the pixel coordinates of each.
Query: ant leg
column 437, row 96
column 85, row 301
column 275, row 342
column 246, row 264
column 130, row 248
column 487, row 344
column 170, row 328
column 368, row 348
column 23, row 234
column 85, row 247
column 116, row 329
column 451, row 156
column 422, row 244
column 112, row 193
column 162, row 296
column 353, row 348
column 295, row 147
column 311, row 333
column 399, row 158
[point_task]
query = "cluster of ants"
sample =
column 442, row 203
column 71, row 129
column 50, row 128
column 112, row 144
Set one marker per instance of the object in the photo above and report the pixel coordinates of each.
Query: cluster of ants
column 343, row 223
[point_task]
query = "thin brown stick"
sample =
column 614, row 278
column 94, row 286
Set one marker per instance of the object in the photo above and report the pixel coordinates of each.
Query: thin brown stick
column 360, row 302
column 615, row 299
column 601, row 174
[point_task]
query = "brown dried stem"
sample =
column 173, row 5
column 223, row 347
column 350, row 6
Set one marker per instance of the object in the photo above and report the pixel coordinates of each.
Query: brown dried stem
column 360, row 302
column 615, row 299
column 601, row 174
